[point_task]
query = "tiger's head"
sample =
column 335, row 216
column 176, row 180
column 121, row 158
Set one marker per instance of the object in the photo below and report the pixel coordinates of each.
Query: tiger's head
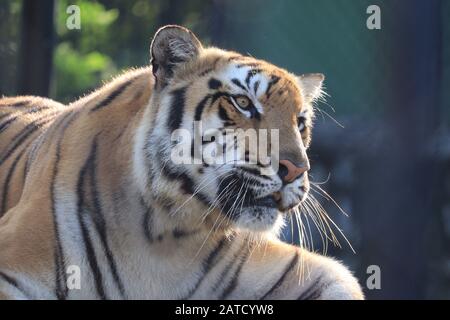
column 225, row 135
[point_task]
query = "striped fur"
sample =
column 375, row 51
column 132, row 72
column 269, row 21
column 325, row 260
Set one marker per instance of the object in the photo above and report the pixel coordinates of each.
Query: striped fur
column 91, row 185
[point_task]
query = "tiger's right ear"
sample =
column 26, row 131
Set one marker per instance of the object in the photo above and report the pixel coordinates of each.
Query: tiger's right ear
column 171, row 47
column 311, row 84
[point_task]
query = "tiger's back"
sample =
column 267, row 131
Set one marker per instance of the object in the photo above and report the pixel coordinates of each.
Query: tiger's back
column 22, row 120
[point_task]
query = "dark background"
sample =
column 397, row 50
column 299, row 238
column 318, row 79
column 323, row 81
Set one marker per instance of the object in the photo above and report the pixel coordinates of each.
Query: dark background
column 385, row 158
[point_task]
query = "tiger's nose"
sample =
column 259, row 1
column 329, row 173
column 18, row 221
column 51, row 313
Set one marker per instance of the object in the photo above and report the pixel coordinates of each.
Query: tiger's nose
column 289, row 171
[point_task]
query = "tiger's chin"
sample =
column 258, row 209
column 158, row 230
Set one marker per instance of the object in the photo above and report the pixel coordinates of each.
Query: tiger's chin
column 260, row 219
column 267, row 214
column 262, row 216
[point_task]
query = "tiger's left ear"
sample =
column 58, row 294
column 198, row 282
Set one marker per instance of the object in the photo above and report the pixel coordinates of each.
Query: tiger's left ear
column 311, row 85
column 172, row 46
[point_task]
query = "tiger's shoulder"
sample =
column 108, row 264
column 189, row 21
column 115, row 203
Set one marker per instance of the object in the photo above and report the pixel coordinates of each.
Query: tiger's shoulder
column 25, row 113
column 22, row 119
column 27, row 122
column 23, row 110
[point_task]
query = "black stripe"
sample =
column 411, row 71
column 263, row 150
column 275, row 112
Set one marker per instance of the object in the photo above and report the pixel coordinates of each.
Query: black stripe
column 34, row 146
column 36, row 109
column 236, row 57
column 214, row 84
column 234, row 279
column 39, row 141
column 9, row 279
column 8, row 180
column 187, row 183
column 92, row 260
column 223, row 113
column 286, row 270
column 193, row 149
column 251, row 73
column 210, row 69
column 98, row 218
column 219, row 95
column 148, row 215
column 6, row 124
column 256, row 86
column 249, row 64
column 313, row 292
column 205, row 72
column 61, row 276
column 110, row 98
column 200, row 107
column 24, row 134
column 207, row 265
column 20, row 103
column 272, row 82
column 238, row 84
column 61, row 289
column 13, row 282
column 254, row 172
column 227, row 268
column 178, row 233
column 177, row 108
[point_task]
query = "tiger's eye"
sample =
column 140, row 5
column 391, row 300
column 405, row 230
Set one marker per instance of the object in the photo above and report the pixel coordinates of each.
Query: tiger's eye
column 243, row 101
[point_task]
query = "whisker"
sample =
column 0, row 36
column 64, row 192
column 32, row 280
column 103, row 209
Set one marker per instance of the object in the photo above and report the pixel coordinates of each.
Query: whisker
column 199, row 188
column 322, row 182
column 334, row 224
column 333, row 119
column 223, row 219
column 330, row 198
column 324, row 217
column 319, row 226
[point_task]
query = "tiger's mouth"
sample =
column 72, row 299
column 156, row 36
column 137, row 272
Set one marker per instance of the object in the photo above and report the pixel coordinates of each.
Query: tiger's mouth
column 258, row 206
column 267, row 202
column 277, row 201
column 272, row 201
column 285, row 201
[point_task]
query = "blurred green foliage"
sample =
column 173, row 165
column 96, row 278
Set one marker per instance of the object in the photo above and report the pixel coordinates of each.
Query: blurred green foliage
column 79, row 65
column 9, row 45
column 114, row 35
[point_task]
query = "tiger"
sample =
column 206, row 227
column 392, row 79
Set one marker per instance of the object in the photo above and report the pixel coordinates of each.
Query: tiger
column 90, row 189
